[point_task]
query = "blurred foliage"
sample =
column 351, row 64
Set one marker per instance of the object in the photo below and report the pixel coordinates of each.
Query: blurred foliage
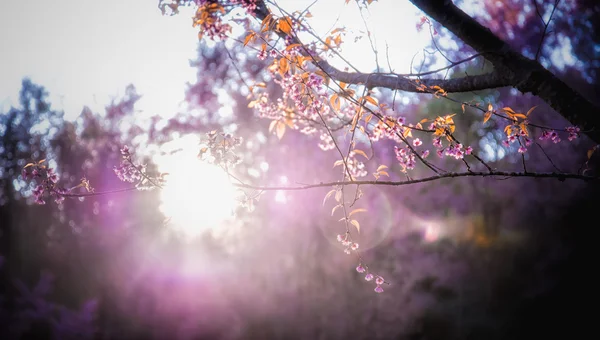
column 467, row 259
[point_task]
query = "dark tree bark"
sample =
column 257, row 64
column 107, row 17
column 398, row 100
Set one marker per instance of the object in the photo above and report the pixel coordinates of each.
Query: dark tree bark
column 525, row 74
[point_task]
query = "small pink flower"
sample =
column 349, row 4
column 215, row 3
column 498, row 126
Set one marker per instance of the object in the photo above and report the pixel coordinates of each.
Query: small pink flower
column 379, row 280
column 378, row 289
column 417, row 142
column 573, row 132
column 360, row 268
column 354, row 246
column 522, row 149
column 125, row 150
column 262, row 55
column 468, row 150
column 52, row 176
column 340, row 238
column 424, row 154
column 369, row 277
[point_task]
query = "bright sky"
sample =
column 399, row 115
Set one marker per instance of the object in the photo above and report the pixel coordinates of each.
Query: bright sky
column 86, row 52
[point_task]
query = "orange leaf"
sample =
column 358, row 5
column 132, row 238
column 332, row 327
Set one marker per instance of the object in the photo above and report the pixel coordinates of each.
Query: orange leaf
column 360, row 152
column 328, row 195
column 591, row 152
column 280, row 130
column 508, row 110
column 272, row 125
column 487, row 116
column 356, row 224
column 249, row 37
column 335, row 102
column 356, row 211
column 381, row 167
column 335, row 208
column 266, row 22
column 531, row 110
column 292, row 46
column 371, row 100
column 283, row 66
column 285, row 25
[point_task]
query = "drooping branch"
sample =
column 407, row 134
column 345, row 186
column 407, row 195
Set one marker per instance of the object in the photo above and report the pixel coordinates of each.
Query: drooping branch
column 503, row 174
column 494, row 174
column 525, row 74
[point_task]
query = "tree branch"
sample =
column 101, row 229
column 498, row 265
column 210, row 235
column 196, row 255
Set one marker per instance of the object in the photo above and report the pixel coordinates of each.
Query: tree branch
column 506, row 174
column 397, row 82
column 525, row 74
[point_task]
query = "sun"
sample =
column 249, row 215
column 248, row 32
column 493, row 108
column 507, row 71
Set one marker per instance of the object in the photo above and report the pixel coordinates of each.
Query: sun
column 197, row 196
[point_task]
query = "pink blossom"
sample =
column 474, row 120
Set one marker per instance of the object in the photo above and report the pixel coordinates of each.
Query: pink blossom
column 262, row 55
column 417, row 142
column 378, row 289
column 573, row 132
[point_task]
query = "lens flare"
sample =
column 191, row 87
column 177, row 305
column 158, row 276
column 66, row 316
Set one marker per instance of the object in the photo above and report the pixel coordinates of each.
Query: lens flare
column 197, row 196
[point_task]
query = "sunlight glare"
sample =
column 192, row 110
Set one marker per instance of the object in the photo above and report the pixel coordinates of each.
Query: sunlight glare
column 197, row 196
